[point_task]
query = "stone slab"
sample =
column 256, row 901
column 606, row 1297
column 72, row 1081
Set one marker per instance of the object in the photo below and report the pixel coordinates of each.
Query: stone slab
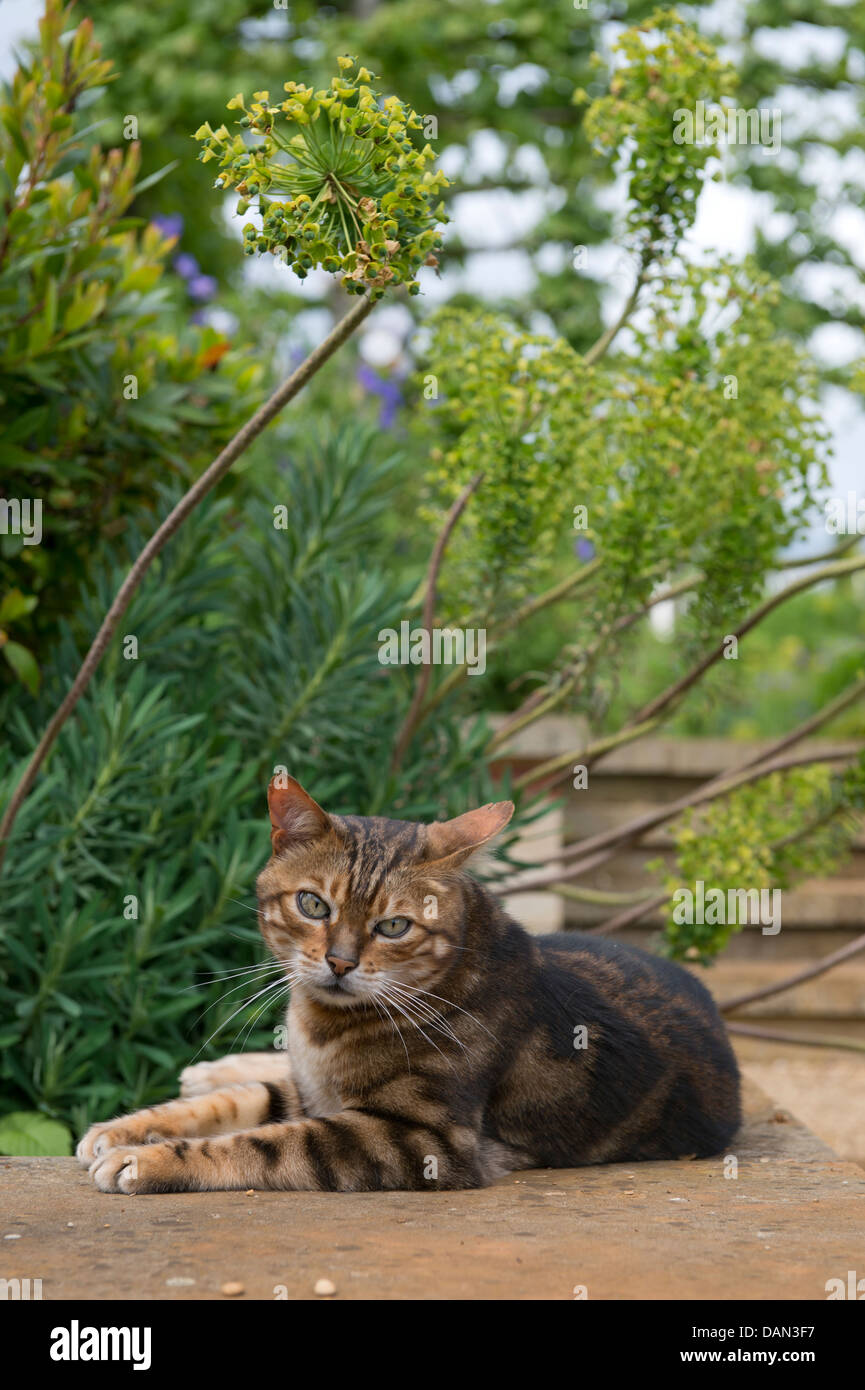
column 793, row 1218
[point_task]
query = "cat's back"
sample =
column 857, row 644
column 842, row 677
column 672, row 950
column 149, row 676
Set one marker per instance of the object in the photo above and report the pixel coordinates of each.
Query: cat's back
column 624, row 1055
column 618, row 970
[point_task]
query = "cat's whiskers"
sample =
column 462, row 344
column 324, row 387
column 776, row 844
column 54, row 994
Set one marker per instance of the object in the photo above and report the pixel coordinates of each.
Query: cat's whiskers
column 451, row 1005
column 396, row 1028
column 401, row 1008
column 255, row 910
column 243, row 983
column 274, row 984
column 432, row 1023
column 434, row 1018
column 244, row 1035
column 234, row 974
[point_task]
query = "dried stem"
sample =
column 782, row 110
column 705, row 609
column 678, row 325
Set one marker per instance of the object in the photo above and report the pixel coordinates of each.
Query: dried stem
column 749, row 1030
column 602, row 346
column 413, row 716
column 584, row 854
column 810, row 972
column 647, row 717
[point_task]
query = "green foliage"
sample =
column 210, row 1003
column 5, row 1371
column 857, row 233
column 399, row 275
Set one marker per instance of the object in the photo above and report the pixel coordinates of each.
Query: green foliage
column 787, row 826
column 452, row 60
column 256, row 632
column 25, row 1132
column 718, row 448
column 102, row 390
column 511, row 72
column 362, row 201
column 695, row 452
column 518, row 407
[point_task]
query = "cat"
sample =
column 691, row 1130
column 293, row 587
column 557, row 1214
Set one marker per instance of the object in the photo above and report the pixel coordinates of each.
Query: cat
column 432, row 1042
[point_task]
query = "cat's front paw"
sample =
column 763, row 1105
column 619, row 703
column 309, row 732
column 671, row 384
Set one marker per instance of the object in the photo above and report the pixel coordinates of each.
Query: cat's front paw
column 97, row 1141
column 112, row 1134
column 147, row 1168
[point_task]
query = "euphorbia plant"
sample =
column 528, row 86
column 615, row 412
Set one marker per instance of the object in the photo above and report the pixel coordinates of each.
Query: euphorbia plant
column 340, row 182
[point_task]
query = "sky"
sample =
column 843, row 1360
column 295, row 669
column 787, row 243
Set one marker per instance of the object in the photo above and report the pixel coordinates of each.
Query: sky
column 726, row 223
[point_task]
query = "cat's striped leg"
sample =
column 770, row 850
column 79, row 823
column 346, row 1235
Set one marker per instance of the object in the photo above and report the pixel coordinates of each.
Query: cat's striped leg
column 354, row 1151
column 219, row 1112
column 202, row 1077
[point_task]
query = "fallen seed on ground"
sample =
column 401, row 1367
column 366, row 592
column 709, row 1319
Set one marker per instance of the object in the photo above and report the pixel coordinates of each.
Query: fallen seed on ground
column 324, row 1288
column 232, row 1289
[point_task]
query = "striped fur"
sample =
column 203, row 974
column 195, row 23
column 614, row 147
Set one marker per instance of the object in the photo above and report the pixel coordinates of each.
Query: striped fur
column 441, row 1059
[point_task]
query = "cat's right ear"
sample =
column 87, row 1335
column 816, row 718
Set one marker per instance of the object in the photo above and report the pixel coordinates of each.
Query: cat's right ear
column 452, row 841
column 294, row 816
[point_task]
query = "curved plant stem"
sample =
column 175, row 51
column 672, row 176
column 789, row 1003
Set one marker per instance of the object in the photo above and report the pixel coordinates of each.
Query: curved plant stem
column 648, row 717
column 810, row 972
column 834, row 554
column 838, row 570
column 577, row 859
column 597, row 897
column 559, row 591
column 546, row 698
column 188, row 502
column 412, row 718
column 601, row 347
column 749, row 1030
column 631, row 914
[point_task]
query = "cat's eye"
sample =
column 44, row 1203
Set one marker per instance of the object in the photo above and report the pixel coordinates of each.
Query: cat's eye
column 392, row 927
column 311, row 905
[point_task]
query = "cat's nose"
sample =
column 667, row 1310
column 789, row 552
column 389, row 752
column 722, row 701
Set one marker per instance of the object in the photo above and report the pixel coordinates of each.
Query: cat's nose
column 339, row 965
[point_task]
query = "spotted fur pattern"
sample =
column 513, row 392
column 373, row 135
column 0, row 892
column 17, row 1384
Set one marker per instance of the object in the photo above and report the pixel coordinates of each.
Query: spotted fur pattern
column 441, row 1058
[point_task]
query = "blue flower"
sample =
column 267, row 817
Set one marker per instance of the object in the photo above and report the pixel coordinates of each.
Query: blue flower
column 186, row 265
column 202, row 288
column 170, row 224
column 385, row 387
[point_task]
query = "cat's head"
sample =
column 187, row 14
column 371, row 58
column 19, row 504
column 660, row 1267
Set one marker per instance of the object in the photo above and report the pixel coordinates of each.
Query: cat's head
column 358, row 907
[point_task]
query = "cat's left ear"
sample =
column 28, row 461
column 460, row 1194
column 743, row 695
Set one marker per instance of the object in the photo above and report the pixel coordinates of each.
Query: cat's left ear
column 294, row 816
column 454, row 840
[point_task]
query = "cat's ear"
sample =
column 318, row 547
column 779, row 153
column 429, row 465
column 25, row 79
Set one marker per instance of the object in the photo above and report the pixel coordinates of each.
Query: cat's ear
column 294, row 816
column 454, row 840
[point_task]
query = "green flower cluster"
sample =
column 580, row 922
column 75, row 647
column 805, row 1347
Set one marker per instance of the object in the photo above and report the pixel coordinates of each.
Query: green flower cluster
column 358, row 196
column 783, row 829
column 663, row 68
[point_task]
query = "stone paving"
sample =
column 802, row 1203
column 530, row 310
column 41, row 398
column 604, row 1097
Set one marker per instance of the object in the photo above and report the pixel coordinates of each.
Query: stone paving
column 792, row 1219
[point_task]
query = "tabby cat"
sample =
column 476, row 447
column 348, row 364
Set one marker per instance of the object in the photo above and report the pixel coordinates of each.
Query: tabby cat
column 432, row 1043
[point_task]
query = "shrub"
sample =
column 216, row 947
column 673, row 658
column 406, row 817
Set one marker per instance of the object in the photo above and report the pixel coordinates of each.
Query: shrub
column 104, row 390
